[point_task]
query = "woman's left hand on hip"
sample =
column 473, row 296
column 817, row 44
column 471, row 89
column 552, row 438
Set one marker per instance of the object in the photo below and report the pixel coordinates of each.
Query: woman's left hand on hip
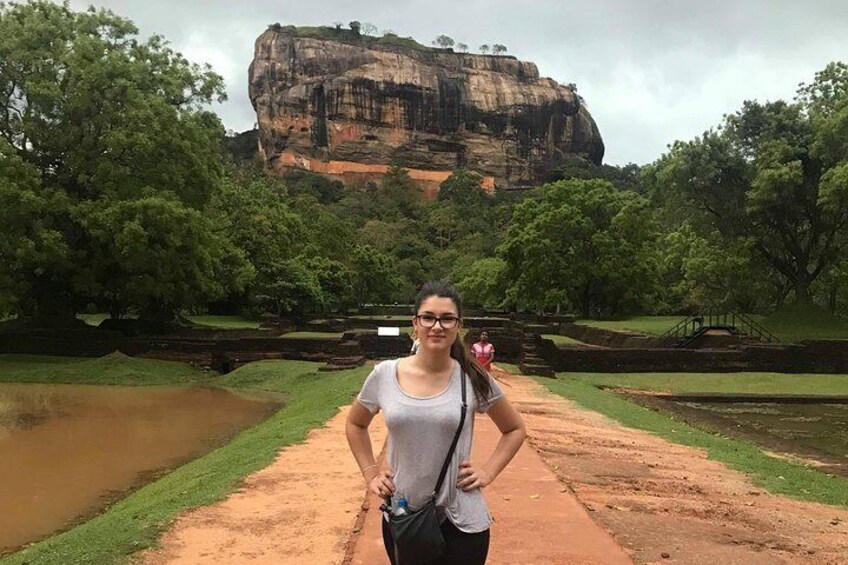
column 471, row 477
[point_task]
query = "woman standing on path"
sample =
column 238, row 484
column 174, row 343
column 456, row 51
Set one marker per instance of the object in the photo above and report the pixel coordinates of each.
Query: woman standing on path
column 419, row 396
column 484, row 351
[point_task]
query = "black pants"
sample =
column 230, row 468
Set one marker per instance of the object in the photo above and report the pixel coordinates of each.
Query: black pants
column 462, row 548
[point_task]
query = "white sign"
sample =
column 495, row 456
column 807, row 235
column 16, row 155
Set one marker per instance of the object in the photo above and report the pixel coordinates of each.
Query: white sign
column 381, row 330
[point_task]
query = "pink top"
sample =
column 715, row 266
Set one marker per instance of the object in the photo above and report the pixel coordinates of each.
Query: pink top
column 483, row 353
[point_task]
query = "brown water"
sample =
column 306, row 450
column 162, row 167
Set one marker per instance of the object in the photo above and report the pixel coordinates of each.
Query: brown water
column 67, row 451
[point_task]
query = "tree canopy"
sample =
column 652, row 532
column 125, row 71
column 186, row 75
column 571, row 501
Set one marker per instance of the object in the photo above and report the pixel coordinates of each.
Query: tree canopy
column 584, row 245
column 76, row 155
column 775, row 174
column 133, row 200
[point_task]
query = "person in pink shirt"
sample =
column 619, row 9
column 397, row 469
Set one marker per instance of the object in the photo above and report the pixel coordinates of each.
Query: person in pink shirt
column 484, row 351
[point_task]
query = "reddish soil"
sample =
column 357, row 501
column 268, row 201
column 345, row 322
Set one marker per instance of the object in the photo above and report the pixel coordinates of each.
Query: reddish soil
column 537, row 520
column 585, row 490
column 667, row 503
column 300, row 509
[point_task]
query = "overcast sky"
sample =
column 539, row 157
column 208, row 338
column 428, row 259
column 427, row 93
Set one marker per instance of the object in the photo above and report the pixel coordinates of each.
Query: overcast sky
column 651, row 71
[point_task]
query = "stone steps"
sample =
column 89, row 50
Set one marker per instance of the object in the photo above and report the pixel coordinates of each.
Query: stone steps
column 532, row 363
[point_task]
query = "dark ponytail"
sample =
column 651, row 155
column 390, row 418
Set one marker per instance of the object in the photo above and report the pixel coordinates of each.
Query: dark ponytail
column 470, row 366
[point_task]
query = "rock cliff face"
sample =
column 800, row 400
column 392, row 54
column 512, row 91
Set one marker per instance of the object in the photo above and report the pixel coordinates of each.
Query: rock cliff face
column 348, row 106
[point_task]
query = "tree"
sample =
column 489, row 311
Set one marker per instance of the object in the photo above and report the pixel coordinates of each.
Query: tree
column 325, row 190
column 485, row 283
column 289, row 287
column 33, row 245
column 375, row 275
column 627, row 177
column 156, row 256
column 484, row 48
column 399, row 194
column 582, row 244
column 250, row 209
column 355, row 27
column 462, row 47
column 443, row 41
column 336, row 281
column 776, row 173
column 707, row 271
column 368, row 29
column 463, row 187
column 143, row 133
column 497, row 49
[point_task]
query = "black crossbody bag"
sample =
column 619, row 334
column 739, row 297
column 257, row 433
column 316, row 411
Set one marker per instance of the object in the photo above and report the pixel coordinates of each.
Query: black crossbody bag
column 418, row 535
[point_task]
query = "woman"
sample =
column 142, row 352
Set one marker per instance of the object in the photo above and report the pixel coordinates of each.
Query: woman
column 420, row 396
column 484, row 351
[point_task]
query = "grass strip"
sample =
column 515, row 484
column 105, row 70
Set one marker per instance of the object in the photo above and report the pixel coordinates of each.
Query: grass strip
column 508, row 367
column 648, row 325
column 797, row 322
column 775, row 475
column 137, row 521
column 113, row 369
column 225, row 322
column 562, row 340
column 738, row 383
column 302, row 335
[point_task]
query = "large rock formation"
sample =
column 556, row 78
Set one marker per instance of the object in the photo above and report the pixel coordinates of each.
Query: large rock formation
column 346, row 105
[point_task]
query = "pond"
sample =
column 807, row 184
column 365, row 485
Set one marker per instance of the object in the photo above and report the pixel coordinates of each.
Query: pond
column 68, row 451
column 811, row 429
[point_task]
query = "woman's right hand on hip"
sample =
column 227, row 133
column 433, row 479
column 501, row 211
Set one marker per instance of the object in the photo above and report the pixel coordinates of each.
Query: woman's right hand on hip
column 382, row 484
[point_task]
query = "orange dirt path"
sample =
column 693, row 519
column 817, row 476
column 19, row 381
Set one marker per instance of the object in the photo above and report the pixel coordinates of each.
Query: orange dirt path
column 584, row 490
column 301, row 509
column 668, row 503
column 537, row 520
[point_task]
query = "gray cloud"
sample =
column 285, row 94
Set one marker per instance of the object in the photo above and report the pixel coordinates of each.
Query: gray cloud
column 651, row 71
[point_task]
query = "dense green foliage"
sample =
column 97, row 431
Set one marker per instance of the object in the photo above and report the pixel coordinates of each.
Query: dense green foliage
column 134, row 202
column 765, row 196
column 87, row 182
column 583, row 244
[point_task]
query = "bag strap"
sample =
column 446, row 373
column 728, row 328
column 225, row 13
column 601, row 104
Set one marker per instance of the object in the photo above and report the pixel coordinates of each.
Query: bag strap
column 455, row 439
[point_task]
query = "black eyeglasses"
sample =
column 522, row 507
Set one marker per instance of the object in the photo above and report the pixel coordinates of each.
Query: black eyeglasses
column 429, row 321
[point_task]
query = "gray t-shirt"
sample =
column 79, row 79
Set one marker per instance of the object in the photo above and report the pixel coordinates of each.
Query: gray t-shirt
column 420, row 433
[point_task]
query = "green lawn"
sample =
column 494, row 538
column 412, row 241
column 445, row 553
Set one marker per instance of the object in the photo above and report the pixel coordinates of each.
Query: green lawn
column 741, row 383
column 795, row 323
column 792, row 323
column 93, row 319
column 137, row 521
column 113, row 369
column 562, row 340
column 776, row 475
column 508, row 367
column 296, row 335
column 650, row 325
column 223, row 322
